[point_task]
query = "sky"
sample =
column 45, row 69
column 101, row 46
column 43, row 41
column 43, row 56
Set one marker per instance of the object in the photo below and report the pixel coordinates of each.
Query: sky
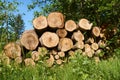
column 28, row 15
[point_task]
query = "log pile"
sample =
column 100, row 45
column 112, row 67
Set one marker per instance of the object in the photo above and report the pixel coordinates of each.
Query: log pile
column 56, row 38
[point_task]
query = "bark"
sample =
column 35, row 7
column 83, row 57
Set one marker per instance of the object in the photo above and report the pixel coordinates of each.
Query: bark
column 61, row 33
column 49, row 39
column 65, row 44
column 70, row 25
column 85, row 24
column 55, row 20
column 40, row 23
column 29, row 40
column 12, row 50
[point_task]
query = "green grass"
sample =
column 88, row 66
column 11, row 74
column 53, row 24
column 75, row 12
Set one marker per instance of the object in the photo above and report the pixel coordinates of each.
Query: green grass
column 77, row 68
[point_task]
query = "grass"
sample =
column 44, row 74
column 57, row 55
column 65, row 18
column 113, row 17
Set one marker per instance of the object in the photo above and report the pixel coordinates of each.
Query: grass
column 77, row 68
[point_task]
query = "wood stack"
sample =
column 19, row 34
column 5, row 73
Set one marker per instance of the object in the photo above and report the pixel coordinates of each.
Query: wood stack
column 57, row 36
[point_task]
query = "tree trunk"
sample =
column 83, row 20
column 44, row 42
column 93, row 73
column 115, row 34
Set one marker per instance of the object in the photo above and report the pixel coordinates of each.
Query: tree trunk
column 57, row 56
column 78, row 36
column 35, row 55
column 90, row 40
column 65, row 44
column 49, row 39
column 40, row 23
column 29, row 40
column 84, row 24
column 61, row 33
column 79, row 45
column 59, row 61
column 70, row 25
column 96, row 31
column 12, row 50
column 94, row 46
column 50, row 61
column 55, row 20
column 61, row 54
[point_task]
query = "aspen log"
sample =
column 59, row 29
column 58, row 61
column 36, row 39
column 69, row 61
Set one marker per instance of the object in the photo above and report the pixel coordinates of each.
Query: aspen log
column 49, row 39
column 78, row 36
column 40, row 23
column 79, row 45
column 85, row 24
column 70, row 25
column 61, row 54
column 29, row 62
column 61, row 33
column 50, row 61
column 55, row 20
column 29, row 40
column 35, row 55
column 65, row 44
column 96, row 31
column 94, row 46
column 12, row 50
column 59, row 61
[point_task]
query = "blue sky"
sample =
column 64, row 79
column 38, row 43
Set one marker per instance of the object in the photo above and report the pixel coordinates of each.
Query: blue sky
column 28, row 15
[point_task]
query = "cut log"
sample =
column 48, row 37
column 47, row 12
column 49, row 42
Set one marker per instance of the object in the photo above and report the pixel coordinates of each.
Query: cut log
column 70, row 25
column 94, row 46
column 57, row 56
column 61, row 54
column 71, row 53
column 29, row 62
column 53, row 52
column 88, row 50
column 55, row 20
column 12, row 50
column 49, row 39
column 29, row 40
column 96, row 31
column 84, row 24
column 78, row 36
column 59, row 61
column 90, row 40
column 35, row 55
column 101, row 44
column 65, row 44
column 18, row 60
column 79, row 45
column 61, row 33
column 40, row 23
column 50, row 61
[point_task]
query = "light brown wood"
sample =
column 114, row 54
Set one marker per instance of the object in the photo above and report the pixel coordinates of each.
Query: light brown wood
column 94, row 46
column 35, row 55
column 29, row 62
column 59, row 61
column 90, row 40
column 71, row 53
column 49, row 39
column 85, row 24
column 40, row 23
column 53, row 52
column 50, row 61
column 78, row 36
column 101, row 43
column 18, row 60
column 57, row 56
column 96, row 31
column 12, row 50
column 70, row 25
column 61, row 54
column 55, row 20
column 65, row 44
column 29, row 40
column 61, row 33
column 88, row 50
column 79, row 45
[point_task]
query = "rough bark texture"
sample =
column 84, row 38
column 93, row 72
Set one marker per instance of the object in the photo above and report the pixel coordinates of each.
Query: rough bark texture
column 29, row 40
column 55, row 20
column 12, row 50
column 70, row 25
column 65, row 44
column 85, row 24
column 40, row 23
column 49, row 39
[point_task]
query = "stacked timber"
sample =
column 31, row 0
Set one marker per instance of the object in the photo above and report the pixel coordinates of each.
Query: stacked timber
column 54, row 37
